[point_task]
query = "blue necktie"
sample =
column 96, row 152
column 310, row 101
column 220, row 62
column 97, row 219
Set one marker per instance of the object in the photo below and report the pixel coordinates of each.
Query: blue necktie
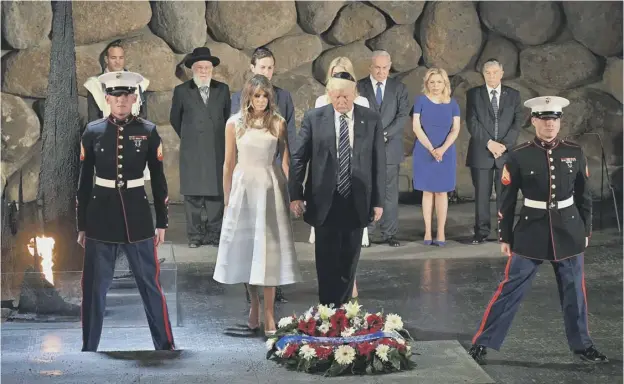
column 344, row 159
column 378, row 93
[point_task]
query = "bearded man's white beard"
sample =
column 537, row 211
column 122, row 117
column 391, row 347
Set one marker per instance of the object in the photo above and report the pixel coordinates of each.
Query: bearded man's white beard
column 200, row 82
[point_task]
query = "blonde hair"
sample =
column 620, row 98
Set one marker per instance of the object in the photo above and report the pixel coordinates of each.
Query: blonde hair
column 446, row 93
column 270, row 118
column 344, row 62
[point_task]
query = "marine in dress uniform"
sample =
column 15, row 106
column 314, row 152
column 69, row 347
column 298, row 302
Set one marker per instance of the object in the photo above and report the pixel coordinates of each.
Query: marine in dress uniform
column 555, row 225
column 114, row 213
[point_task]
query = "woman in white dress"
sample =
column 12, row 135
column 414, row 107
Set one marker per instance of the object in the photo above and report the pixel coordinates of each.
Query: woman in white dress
column 257, row 245
column 342, row 64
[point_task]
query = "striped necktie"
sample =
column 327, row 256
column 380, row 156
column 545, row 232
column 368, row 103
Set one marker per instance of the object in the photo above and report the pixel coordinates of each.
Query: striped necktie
column 344, row 158
column 495, row 108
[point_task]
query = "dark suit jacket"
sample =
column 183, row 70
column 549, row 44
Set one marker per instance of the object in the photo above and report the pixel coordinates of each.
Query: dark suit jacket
column 94, row 112
column 201, row 128
column 480, row 123
column 394, row 111
column 286, row 109
column 317, row 150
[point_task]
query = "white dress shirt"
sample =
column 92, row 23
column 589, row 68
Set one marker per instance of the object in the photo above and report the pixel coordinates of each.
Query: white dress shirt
column 383, row 87
column 337, row 126
column 498, row 93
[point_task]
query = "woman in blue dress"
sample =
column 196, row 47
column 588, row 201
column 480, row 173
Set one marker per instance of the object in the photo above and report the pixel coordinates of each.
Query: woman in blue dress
column 436, row 126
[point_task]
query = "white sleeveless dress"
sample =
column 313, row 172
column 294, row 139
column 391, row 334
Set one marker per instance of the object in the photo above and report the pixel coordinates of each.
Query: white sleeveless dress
column 257, row 244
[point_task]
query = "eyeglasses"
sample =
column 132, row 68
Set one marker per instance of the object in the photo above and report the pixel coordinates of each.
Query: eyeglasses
column 344, row 76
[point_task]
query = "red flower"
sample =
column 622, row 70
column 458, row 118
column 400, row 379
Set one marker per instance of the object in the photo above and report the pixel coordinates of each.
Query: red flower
column 361, row 332
column 389, row 342
column 375, row 323
column 365, row 348
column 323, row 353
column 290, row 350
column 302, row 326
column 339, row 321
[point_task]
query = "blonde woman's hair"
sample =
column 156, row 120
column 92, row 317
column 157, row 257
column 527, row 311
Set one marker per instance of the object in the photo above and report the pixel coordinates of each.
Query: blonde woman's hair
column 344, row 62
column 446, row 93
column 270, row 118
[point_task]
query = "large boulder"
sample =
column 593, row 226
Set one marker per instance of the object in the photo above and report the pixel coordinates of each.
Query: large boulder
column 356, row 21
column 559, row 65
column 504, row 51
column 357, row 52
column 400, row 43
column 150, row 56
column 96, row 21
column 316, row 17
column 233, row 69
column 182, row 24
column 171, row 163
column 29, row 178
column 158, row 106
column 243, row 24
column 450, row 35
column 413, row 81
column 20, row 128
column 594, row 111
column 26, row 23
column 401, row 12
column 26, row 71
column 304, row 91
column 612, row 78
column 530, row 23
column 292, row 51
column 596, row 24
column 526, row 93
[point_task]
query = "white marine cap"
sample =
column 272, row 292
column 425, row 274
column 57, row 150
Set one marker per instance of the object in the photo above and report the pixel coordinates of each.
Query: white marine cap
column 117, row 83
column 547, row 106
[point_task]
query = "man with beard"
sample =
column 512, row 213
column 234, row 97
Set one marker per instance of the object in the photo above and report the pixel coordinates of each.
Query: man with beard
column 199, row 111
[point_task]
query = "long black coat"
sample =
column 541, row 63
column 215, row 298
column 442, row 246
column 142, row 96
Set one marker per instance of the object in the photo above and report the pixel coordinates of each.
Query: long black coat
column 201, row 128
column 317, row 148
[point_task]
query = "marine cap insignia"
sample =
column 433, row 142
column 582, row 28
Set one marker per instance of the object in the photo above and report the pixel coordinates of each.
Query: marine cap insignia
column 547, row 100
column 118, row 76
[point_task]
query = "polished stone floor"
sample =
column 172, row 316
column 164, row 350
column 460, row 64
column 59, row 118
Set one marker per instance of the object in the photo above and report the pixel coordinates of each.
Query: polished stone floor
column 441, row 300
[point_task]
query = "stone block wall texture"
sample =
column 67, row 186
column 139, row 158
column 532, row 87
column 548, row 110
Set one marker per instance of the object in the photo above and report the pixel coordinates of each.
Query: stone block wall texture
column 572, row 49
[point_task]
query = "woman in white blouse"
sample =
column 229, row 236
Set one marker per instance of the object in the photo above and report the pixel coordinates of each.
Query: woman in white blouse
column 342, row 64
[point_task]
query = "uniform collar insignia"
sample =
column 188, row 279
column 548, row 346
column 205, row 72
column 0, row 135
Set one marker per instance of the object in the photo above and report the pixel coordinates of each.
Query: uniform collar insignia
column 546, row 144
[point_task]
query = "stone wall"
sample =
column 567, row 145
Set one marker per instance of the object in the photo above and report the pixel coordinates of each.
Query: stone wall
column 572, row 49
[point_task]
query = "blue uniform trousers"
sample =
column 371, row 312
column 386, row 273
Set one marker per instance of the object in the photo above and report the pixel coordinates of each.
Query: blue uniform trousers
column 519, row 272
column 97, row 276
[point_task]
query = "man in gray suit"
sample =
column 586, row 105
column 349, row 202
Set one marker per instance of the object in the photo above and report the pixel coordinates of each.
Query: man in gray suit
column 199, row 111
column 493, row 118
column 389, row 98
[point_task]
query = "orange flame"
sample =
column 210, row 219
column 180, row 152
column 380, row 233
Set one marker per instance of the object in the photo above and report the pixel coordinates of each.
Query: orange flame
column 45, row 245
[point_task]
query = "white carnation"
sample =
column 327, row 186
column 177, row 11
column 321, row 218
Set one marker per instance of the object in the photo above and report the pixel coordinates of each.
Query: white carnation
column 285, row 322
column 348, row 332
column 344, row 354
column 356, row 321
column 307, row 352
column 382, row 352
column 393, row 322
column 270, row 342
column 324, row 327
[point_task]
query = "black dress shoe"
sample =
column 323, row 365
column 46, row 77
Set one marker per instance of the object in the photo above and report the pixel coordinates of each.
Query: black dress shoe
column 592, row 355
column 279, row 295
column 393, row 242
column 478, row 353
column 479, row 240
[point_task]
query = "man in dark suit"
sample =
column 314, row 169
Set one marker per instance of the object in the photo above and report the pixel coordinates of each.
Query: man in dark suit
column 115, row 60
column 342, row 147
column 389, row 98
column 494, row 118
column 263, row 63
column 199, row 111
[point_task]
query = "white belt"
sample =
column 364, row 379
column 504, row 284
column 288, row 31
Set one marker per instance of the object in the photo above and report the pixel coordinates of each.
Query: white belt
column 544, row 204
column 115, row 184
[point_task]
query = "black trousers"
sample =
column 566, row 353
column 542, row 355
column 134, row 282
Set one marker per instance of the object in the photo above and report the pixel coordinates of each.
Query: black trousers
column 97, row 275
column 482, row 181
column 516, row 281
column 337, row 252
column 200, row 230
column 389, row 222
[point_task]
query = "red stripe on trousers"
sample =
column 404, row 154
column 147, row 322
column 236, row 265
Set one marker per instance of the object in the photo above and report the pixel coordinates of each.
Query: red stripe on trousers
column 162, row 296
column 584, row 294
column 492, row 301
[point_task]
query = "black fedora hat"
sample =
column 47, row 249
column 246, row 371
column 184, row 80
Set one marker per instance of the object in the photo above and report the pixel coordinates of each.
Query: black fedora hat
column 201, row 54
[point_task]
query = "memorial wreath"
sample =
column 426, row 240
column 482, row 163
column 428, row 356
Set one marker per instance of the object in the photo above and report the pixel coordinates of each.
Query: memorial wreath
column 341, row 340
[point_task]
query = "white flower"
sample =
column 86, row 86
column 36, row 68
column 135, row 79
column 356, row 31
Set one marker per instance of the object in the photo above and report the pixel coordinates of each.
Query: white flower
column 308, row 314
column 307, row 352
column 382, row 352
column 280, row 352
column 356, row 321
column 401, row 341
column 317, row 316
column 347, row 332
column 324, row 327
column 270, row 342
column 408, row 349
column 285, row 322
column 344, row 354
column 325, row 312
column 393, row 322
column 352, row 309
